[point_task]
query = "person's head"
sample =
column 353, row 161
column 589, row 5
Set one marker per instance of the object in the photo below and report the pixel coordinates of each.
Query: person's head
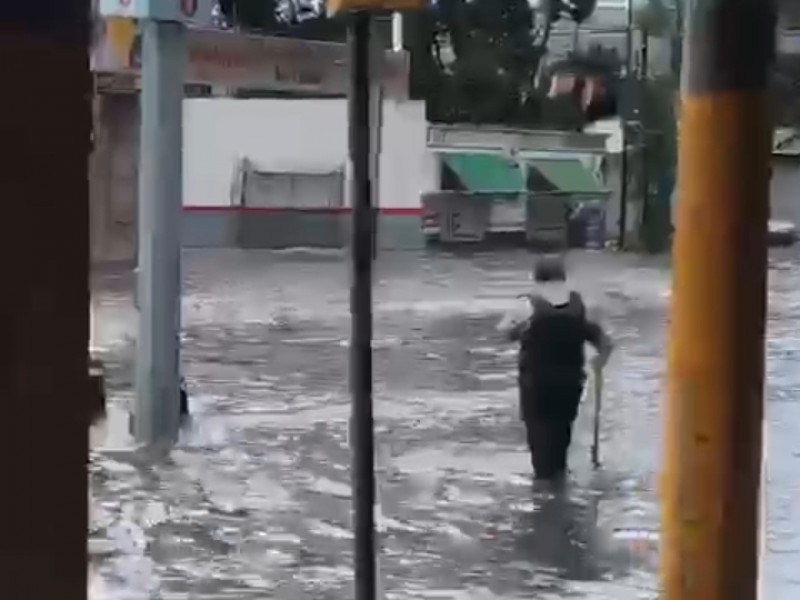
column 550, row 269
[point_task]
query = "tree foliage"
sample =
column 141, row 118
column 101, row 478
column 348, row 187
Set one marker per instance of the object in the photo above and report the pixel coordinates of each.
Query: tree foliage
column 479, row 61
column 471, row 60
column 256, row 15
column 293, row 18
column 491, row 64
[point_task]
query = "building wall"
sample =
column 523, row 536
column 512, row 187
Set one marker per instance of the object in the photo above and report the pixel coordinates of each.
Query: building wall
column 785, row 189
column 297, row 136
column 276, row 136
column 287, row 136
column 113, row 176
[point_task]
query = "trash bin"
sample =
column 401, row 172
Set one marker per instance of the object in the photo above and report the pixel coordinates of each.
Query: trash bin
column 546, row 221
column 464, row 219
column 594, row 218
column 587, row 225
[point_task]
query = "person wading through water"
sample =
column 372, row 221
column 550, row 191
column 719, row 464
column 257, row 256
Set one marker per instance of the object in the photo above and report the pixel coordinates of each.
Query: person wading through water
column 551, row 365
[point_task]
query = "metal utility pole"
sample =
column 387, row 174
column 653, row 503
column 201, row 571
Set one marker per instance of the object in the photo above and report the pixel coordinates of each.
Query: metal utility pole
column 627, row 106
column 716, row 373
column 361, row 424
column 156, row 415
column 46, row 120
column 158, row 290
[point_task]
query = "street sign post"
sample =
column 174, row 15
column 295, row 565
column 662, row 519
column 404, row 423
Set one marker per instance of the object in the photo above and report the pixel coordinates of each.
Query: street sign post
column 163, row 23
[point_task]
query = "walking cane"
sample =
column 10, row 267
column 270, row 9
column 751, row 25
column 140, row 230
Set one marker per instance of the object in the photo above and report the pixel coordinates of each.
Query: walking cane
column 598, row 405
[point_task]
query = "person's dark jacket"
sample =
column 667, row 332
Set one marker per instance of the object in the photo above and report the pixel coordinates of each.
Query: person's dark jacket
column 552, row 358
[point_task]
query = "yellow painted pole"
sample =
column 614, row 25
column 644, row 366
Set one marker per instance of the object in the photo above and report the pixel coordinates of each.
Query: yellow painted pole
column 711, row 478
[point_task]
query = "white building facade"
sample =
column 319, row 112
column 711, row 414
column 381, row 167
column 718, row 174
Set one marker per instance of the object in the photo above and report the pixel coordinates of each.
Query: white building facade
column 274, row 173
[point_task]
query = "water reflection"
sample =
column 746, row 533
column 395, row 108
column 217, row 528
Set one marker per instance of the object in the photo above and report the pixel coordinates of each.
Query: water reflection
column 560, row 533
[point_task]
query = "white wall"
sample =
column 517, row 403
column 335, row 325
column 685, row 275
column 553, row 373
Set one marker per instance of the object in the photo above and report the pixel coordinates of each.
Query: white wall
column 785, row 189
column 297, row 135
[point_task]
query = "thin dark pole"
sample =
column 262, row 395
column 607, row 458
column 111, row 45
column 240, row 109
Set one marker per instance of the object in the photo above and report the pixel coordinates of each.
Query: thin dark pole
column 627, row 106
column 642, row 101
column 361, row 424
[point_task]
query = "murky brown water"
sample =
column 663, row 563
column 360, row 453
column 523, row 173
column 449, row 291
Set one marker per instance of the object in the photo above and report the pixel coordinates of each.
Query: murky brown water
column 254, row 502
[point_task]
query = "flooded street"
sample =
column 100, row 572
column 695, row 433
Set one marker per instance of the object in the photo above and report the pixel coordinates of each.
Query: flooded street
column 255, row 501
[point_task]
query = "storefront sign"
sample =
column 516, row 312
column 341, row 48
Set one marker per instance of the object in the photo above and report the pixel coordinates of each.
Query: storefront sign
column 234, row 60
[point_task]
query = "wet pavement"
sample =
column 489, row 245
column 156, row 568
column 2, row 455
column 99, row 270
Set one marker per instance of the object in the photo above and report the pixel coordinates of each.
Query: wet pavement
column 254, row 502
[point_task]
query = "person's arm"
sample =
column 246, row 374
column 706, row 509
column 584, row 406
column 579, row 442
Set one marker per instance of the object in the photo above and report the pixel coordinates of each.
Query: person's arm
column 514, row 323
column 601, row 343
column 512, row 327
column 515, row 333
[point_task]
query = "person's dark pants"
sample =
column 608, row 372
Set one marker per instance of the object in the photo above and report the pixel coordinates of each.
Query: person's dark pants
column 549, row 442
column 549, row 414
column 184, row 402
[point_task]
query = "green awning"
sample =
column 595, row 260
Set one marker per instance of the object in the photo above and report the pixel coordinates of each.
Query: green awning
column 567, row 175
column 485, row 172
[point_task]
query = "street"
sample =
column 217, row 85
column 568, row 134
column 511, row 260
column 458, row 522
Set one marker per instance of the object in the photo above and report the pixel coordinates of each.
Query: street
column 254, row 502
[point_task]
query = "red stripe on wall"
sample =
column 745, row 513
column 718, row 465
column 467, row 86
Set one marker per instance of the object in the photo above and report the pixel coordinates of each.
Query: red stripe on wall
column 389, row 212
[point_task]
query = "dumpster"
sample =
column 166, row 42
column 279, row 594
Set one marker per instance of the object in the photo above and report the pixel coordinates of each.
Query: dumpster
column 589, row 219
column 546, row 220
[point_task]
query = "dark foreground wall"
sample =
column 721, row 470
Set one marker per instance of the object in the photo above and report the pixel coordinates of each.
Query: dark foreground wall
column 45, row 120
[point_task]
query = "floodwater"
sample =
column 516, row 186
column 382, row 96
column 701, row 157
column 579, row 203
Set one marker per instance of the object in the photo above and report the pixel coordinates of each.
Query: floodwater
column 255, row 500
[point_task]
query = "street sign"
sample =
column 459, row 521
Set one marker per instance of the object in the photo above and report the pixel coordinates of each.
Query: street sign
column 191, row 12
column 336, row 7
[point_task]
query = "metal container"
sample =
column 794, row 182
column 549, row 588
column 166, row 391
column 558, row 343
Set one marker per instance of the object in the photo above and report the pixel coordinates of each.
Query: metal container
column 594, row 219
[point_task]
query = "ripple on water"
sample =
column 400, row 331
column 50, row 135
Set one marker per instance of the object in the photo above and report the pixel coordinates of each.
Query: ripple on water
column 255, row 502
